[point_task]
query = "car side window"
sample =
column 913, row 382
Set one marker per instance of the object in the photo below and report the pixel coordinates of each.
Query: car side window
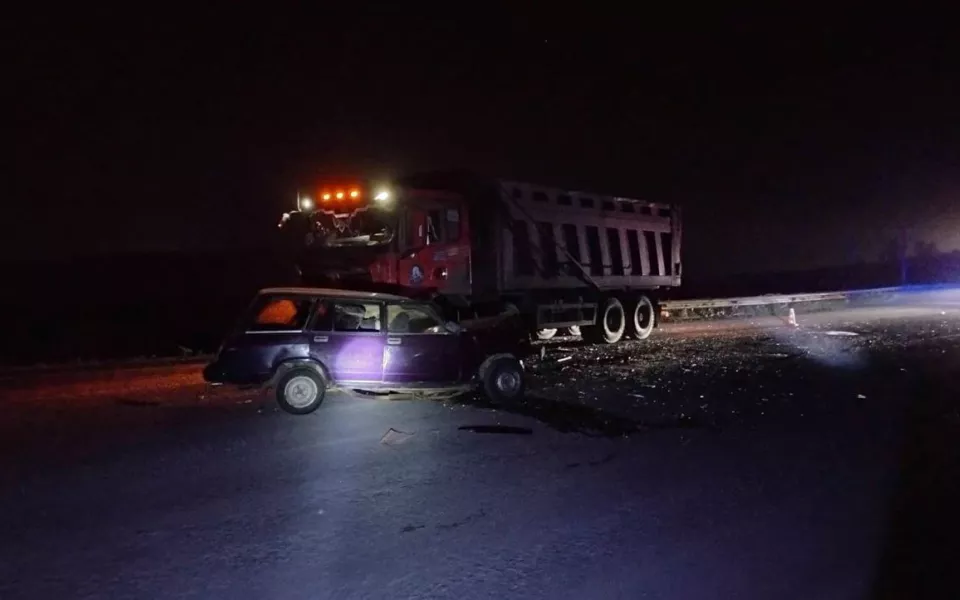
column 363, row 317
column 322, row 316
column 280, row 314
column 411, row 318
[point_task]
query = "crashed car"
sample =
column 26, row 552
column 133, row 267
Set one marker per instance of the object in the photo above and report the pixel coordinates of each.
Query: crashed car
column 304, row 342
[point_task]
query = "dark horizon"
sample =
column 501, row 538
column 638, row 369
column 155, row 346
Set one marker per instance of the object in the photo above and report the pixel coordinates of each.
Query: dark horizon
column 791, row 142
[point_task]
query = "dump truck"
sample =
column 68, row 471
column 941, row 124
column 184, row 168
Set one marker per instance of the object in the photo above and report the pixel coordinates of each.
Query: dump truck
column 478, row 245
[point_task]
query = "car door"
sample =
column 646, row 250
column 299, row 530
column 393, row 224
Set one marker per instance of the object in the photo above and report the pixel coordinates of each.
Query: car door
column 419, row 349
column 347, row 337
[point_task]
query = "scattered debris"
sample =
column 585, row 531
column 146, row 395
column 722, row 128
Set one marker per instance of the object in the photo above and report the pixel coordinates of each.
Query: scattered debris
column 463, row 521
column 861, row 397
column 394, row 436
column 841, row 333
column 592, row 463
column 496, row 429
column 564, row 359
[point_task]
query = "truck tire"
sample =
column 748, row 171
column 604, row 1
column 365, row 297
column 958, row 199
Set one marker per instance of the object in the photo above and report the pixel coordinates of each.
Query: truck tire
column 503, row 379
column 611, row 324
column 642, row 318
column 301, row 391
column 545, row 334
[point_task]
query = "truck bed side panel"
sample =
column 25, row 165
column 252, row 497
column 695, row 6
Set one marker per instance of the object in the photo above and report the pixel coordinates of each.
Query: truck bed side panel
column 619, row 242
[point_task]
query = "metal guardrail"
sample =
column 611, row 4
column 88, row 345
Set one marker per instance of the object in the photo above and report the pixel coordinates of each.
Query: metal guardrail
column 677, row 305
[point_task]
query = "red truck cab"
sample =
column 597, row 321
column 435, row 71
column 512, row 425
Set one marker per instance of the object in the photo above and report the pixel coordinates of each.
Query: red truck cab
column 414, row 242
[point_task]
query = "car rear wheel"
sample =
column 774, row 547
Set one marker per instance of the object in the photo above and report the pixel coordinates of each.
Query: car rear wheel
column 611, row 324
column 642, row 319
column 503, row 380
column 301, row 391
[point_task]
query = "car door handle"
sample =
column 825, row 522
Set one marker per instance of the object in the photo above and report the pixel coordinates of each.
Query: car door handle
column 321, row 338
column 393, row 341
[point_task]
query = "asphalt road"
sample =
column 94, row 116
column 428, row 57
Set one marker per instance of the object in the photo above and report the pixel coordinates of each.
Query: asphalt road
column 735, row 459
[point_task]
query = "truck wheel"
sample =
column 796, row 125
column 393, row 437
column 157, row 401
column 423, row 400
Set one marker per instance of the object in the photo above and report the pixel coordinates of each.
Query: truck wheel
column 545, row 334
column 503, row 380
column 642, row 319
column 301, row 391
column 611, row 323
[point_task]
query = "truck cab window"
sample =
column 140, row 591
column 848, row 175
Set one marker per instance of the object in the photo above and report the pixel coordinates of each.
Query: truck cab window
column 443, row 225
column 434, row 227
column 452, row 226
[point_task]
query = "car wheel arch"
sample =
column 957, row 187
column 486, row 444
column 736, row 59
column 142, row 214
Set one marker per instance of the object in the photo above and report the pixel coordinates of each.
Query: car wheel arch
column 293, row 363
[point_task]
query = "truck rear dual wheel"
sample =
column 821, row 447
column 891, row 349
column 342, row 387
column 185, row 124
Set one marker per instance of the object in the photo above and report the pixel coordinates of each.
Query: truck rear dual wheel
column 642, row 318
column 614, row 321
column 611, row 324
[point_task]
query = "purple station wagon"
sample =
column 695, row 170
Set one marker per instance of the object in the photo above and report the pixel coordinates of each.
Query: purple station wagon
column 305, row 341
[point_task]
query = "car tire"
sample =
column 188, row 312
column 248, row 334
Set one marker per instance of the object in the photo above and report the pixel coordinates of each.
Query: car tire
column 545, row 334
column 642, row 318
column 301, row 391
column 503, row 380
column 611, row 324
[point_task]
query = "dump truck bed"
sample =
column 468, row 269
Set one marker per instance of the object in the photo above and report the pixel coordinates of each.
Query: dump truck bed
column 548, row 238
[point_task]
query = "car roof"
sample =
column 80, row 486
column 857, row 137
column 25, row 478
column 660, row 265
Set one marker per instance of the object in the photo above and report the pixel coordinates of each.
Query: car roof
column 333, row 293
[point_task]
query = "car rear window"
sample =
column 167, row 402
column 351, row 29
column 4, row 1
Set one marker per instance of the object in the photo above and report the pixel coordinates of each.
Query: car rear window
column 272, row 313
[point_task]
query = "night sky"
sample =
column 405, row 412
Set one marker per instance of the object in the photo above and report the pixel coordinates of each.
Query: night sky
column 791, row 140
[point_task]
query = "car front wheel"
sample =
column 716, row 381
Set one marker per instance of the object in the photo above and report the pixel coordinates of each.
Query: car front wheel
column 503, row 380
column 301, row 391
